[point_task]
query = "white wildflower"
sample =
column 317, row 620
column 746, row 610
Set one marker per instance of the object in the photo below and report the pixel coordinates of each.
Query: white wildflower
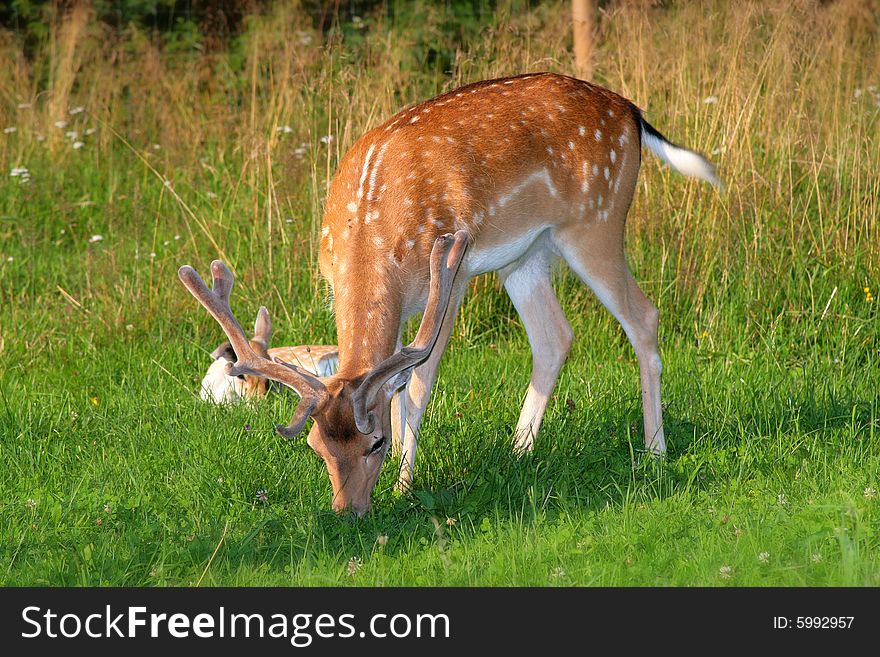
column 354, row 565
column 725, row 572
column 77, row 110
column 870, row 493
column 9, row 130
column 327, row 139
column 77, row 145
column 96, row 238
column 24, row 106
column 710, row 100
column 61, row 124
column 764, row 557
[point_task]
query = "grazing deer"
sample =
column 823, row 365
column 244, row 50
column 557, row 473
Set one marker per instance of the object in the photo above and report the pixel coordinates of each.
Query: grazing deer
column 525, row 170
column 220, row 387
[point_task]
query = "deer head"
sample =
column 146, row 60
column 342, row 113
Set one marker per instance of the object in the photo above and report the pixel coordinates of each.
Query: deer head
column 352, row 428
column 220, row 387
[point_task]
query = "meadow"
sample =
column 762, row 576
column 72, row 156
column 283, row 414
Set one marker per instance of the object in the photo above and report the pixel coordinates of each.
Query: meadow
column 126, row 153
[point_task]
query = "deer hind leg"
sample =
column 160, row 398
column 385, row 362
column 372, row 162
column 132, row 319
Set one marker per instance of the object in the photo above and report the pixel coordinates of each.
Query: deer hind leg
column 415, row 396
column 599, row 262
column 550, row 337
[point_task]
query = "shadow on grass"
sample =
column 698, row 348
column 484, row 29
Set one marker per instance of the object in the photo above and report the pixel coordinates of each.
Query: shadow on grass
column 578, row 468
column 466, row 472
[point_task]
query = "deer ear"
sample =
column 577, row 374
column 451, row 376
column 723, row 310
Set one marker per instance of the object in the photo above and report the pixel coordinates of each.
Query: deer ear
column 226, row 351
column 263, row 327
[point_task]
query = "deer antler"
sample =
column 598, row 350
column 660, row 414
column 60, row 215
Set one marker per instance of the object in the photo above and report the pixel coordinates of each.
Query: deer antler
column 313, row 393
column 446, row 257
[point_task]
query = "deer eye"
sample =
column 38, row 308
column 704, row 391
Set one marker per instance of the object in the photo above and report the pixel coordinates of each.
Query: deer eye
column 377, row 445
column 241, row 376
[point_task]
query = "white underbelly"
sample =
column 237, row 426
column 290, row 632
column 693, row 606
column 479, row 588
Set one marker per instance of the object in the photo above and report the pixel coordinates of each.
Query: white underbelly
column 498, row 251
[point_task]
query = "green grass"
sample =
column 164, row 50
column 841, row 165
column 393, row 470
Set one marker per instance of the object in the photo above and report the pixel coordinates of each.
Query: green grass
column 115, row 473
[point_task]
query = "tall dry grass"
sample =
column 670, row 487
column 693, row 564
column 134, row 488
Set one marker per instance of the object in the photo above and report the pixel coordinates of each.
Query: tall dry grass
column 782, row 95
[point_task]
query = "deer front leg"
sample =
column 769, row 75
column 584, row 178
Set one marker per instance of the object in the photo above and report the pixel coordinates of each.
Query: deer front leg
column 398, row 421
column 550, row 338
column 415, row 396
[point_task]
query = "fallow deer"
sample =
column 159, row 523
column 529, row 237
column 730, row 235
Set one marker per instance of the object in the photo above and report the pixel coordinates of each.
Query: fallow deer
column 525, row 170
column 220, row 387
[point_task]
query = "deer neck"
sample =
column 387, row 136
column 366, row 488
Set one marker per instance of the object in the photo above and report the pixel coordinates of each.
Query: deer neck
column 368, row 316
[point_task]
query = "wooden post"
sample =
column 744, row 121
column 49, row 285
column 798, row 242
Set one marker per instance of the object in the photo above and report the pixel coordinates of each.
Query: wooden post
column 582, row 24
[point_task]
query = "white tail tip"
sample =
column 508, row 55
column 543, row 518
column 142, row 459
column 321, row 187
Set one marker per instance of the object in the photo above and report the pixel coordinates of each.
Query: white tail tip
column 686, row 162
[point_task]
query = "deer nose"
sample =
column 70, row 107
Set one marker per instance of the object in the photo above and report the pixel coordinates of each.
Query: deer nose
column 359, row 508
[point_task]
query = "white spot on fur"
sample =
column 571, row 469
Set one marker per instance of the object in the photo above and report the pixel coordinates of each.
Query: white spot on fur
column 613, row 156
column 352, row 206
column 375, row 170
column 571, row 145
column 607, row 173
column 582, row 131
column 414, row 119
column 598, row 135
column 364, row 171
column 595, row 169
